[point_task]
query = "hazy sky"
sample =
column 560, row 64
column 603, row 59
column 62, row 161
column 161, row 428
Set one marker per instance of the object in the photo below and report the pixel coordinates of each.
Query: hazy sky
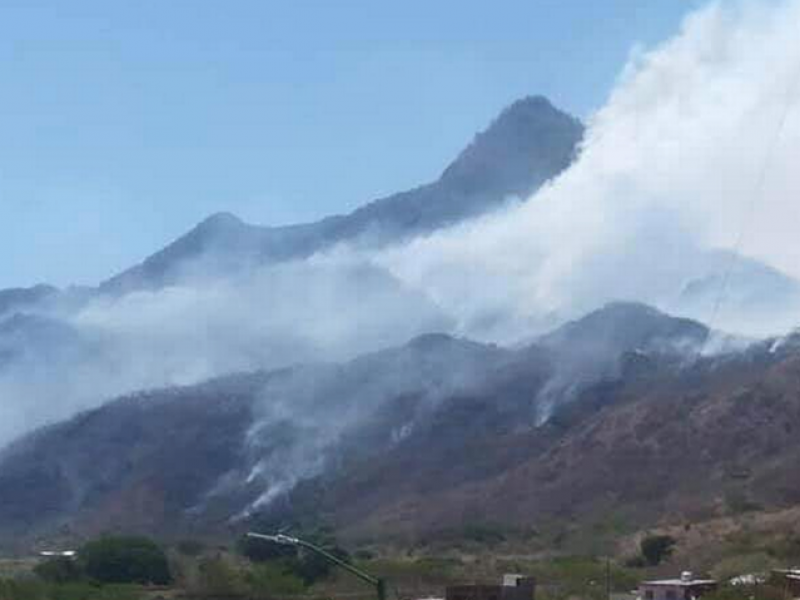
column 124, row 123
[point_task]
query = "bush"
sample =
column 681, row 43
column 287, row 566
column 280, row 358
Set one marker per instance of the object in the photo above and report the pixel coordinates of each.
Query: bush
column 636, row 562
column 746, row 592
column 303, row 564
column 484, row 533
column 58, row 570
column 124, row 560
column 87, row 591
column 786, row 548
column 364, row 554
column 190, row 547
column 656, row 548
column 39, row 590
column 269, row 580
column 12, row 589
column 218, row 578
column 258, row 551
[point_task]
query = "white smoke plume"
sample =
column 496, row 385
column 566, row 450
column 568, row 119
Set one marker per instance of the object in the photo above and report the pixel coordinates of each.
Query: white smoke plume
column 668, row 170
column 292, row 313
column 664, row 180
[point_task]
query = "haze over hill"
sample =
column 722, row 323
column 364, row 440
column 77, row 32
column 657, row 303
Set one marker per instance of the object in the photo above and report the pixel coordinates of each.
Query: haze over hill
column 529, row 143
column 431, row 438
column 229, row 296
column 234, row 445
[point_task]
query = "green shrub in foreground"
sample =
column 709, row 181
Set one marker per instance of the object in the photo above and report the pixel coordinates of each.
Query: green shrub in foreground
column 39, row 590
column 124, row 560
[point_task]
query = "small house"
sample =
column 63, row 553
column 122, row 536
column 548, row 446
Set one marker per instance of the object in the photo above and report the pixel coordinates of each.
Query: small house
column 513, row 587
column 789, row 580
column 686, row 587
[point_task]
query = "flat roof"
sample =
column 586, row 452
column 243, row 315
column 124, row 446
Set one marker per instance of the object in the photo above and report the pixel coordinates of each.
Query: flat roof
column 681, row 582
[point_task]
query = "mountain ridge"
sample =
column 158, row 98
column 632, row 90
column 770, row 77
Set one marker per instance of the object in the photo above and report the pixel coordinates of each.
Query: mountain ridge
column 529, row 143
column 450, row 410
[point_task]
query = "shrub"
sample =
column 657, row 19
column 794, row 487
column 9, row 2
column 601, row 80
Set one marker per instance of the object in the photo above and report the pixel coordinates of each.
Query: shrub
column 746, row 592
column 39, row 590
column 484, row 533
column 656, row 548
column 124, row 560
column 190, row 547
column 218, row 578
column 786, row 548
column 12, row 589
column 258, row 551
column 58, row 570
column 304, row 564
column 363, row 554
column 636, row 562
column 268, row 580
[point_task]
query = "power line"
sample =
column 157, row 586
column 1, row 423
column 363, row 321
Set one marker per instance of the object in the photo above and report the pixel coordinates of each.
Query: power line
column 750, row 209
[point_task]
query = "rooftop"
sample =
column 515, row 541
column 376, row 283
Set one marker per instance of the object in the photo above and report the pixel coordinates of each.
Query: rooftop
column 680, row 582
column 685, row 580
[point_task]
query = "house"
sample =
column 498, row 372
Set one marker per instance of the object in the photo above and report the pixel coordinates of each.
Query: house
column 513, row 587
column 789, row 580
column 58, row 553
column 684, row 588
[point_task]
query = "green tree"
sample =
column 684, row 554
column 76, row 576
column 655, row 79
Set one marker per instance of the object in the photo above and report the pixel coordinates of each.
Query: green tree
column 259, row 551
column 218, row 578
column 303, row 564
column 656, row 548
column 58, row 570
column 190, row 547
column 311, row 567
column 121, row 559
column 268, row 580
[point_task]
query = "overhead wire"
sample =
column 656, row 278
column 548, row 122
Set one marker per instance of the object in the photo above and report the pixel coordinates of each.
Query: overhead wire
column 750, row 208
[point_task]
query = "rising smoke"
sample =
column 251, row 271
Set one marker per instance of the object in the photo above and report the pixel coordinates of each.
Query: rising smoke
column 662, row 187
column 668, row 171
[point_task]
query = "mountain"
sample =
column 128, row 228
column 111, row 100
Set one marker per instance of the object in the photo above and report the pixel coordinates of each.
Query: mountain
column 739, row 290
column 231, row 318
column 35, row 338
column 590, row 348
column 528, row 144
column 663, row 445
column 15, row 299
column 400, row 443
column 360, row 443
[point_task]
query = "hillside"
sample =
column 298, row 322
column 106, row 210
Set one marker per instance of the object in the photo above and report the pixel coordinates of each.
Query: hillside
column 662, row 443
column 529, row 143
column 429, row 436
column 13, row 299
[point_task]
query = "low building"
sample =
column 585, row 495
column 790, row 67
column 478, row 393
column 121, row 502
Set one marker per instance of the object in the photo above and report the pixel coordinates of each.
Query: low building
column 789, row 580
column 684, row 588
column 58, row 553
column 513, row 587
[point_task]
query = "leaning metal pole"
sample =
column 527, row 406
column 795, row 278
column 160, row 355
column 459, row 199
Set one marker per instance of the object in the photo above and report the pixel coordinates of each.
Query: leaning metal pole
column 380, row 584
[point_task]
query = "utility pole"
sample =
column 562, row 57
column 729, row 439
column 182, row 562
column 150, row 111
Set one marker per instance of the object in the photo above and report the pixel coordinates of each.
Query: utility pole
column 286, row 540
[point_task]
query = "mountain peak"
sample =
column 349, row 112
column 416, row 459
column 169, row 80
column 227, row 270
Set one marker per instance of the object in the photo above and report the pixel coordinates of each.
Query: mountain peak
column 221, row 221
column 521, row 149
column 529, row 143
column 627, row 326
column 529, row 104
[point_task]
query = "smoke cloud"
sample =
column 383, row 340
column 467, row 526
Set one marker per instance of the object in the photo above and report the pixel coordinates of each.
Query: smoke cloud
column 649, row 211
column 667, row 173
column 66, row 360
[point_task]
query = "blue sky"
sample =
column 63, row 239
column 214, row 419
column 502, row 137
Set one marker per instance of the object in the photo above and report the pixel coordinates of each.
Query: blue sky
column 125, row 123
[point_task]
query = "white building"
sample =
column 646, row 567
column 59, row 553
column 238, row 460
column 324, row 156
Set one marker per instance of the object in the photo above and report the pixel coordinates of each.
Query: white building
column 684, row 588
